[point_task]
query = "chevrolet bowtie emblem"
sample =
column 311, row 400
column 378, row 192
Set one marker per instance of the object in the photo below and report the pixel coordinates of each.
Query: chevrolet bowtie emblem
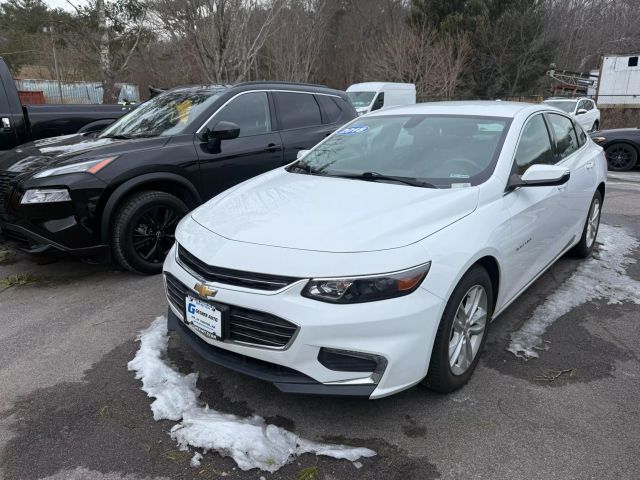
column 205, row 291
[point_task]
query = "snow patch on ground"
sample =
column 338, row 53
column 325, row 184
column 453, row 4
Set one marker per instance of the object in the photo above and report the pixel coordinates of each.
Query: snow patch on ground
column 251, row 442
column 601, row 277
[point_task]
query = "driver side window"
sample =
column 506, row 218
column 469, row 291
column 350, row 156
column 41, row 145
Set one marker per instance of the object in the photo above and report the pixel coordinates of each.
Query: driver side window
column 250, row 111
column 534, row 146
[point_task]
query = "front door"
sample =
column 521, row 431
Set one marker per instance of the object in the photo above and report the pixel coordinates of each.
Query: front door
column 537, row 215
column 256, row 150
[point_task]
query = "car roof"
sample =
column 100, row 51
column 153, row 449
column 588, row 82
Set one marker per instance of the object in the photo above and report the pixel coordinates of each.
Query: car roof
column 261, row 85
column 564, row 99
column 476, row 107
column 375, row 86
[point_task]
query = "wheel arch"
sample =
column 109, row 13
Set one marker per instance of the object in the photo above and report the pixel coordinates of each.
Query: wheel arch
column 601, row 189
column 491, row 265
column 160, row 181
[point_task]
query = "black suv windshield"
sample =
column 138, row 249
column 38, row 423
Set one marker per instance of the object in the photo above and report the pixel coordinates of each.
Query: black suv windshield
column 171, row 113
column 445, row 151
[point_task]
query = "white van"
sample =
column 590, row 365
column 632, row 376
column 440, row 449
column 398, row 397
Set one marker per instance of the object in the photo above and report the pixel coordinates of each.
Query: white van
column 370, row 96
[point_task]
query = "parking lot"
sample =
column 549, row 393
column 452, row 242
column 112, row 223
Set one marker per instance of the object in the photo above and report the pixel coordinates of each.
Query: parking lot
column 69, row 407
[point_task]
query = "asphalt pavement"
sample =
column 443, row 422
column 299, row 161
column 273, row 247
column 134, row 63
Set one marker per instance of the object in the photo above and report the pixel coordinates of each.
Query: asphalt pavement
column 70, row 409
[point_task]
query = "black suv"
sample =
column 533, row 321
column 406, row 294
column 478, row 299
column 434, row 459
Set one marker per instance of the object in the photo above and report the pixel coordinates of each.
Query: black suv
column 121, row 193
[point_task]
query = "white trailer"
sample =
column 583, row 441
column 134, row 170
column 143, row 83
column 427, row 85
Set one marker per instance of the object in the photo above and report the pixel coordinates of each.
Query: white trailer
column 619, row 83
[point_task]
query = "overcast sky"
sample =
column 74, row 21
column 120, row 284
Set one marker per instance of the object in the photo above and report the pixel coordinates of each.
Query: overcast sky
column 59, row 3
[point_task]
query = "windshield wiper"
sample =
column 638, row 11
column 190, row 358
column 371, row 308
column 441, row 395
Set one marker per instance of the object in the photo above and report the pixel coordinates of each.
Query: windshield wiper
column 117, row 137
column 306, row 169
column 375, row 176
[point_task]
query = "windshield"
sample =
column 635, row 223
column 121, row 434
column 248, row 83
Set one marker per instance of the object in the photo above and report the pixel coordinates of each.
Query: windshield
column 563, row 105
column 171, row 113
column 361, row 99
column 445, row 151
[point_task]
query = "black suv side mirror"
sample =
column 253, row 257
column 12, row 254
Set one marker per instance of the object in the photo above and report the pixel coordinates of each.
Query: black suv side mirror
column 221, row 131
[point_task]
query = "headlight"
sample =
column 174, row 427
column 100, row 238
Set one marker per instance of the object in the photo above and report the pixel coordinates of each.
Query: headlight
column 599, row 140
column 368, row 288
column 45, row 195
column 90, row 166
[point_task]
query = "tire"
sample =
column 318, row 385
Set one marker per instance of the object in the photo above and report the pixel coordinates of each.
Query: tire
column 144, row 226
column 442, row 376
column 596, row 126
column 590, row 230
column 621, row 157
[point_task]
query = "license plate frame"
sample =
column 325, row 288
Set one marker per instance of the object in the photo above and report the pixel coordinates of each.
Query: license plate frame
column 206, row 318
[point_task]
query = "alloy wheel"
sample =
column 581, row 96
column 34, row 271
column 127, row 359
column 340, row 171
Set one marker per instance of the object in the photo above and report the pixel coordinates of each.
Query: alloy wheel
column 593, row 222
column 620, row 157
column 468, row 330
column 154, row 233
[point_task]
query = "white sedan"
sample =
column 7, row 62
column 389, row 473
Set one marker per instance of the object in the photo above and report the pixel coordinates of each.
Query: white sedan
column 378, row 259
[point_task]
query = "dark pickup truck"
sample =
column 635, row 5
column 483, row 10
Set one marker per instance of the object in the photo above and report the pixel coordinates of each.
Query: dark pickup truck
column 20, row 124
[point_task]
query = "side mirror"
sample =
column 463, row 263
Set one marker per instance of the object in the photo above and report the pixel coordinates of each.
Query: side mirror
column 301, row 153
column 540, row 176
column 221, row 131
column 581, row 111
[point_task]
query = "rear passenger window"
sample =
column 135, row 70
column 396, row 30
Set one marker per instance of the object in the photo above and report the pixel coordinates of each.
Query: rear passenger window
column 331, row 108
column 297, row 110
column 566, row 140
column 534, row 146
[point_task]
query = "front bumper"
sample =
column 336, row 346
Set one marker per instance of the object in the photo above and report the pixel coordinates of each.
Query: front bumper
column 400, row 330
column 68, row 226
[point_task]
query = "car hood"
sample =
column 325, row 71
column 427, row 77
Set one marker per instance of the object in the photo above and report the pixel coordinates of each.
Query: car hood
column 56, row 151
column 307, row 212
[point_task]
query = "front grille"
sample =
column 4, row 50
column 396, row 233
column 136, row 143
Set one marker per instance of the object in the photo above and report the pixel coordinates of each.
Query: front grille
column 243, row 324
column 5, row 180
column 258, row 281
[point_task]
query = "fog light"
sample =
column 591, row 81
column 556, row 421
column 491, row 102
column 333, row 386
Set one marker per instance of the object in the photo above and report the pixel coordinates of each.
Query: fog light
column 348, row 361
column 45, row 195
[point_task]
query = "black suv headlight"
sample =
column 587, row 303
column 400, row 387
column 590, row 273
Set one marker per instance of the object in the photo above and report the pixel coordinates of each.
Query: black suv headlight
column 369, row 288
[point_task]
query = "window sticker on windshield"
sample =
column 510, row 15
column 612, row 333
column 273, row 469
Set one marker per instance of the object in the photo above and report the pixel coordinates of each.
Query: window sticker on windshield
column 353, row 130
column 460, row 185
column 458, row 175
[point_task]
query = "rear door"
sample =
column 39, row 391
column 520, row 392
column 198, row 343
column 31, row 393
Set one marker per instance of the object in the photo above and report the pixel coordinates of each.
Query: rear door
column 570, row 140
column 300, row 122
column 257, row 149
column 537, row 216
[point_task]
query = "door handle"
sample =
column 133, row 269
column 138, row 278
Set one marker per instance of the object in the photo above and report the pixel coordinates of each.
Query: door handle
column 6, row 123
column 562, row 187
column 589, row 165
column 272, row 147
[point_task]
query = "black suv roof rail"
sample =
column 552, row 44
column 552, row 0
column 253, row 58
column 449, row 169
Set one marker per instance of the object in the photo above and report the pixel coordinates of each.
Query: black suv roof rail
column 279, row 82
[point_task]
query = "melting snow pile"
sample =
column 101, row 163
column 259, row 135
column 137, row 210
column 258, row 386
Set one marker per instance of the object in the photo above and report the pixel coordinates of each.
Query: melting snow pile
column 249, row 441
column 601, row 277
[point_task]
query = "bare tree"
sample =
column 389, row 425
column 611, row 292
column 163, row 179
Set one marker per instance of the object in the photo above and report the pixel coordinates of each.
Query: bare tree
column 223, row 36
column 109, row 34
column 433, row 62
column 294, row 48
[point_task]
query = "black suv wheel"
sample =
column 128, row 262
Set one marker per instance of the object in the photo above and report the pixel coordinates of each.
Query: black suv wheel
column 144, row 230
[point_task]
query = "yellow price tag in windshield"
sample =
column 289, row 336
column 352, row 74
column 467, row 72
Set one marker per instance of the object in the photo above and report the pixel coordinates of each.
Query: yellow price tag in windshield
column 183, row 109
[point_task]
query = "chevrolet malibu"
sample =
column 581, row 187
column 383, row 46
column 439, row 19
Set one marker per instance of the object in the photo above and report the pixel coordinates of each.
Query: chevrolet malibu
column 377, row 260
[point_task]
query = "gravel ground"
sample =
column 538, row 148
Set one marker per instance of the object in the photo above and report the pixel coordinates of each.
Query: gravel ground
column 69, row 409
